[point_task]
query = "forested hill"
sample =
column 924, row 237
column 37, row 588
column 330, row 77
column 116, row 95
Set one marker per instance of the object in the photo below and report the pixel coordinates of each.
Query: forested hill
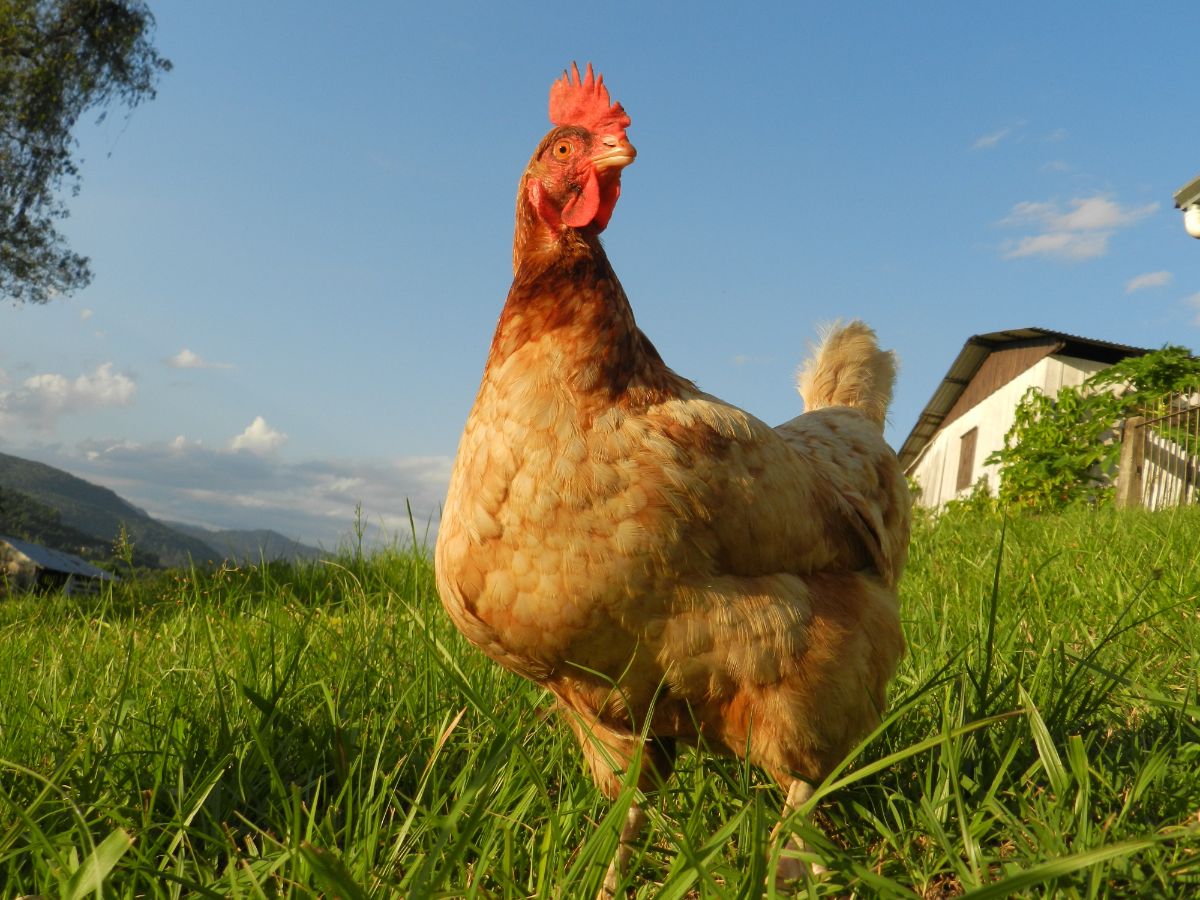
column 48, row 506
column 25, row 518
column 250, row 546
column 99, row 512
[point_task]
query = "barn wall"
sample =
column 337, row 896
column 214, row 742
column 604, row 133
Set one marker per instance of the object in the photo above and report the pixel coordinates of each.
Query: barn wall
column 937, row 469
column 1001, row 366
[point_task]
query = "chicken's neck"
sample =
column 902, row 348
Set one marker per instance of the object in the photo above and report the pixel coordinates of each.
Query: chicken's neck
column 569, row 297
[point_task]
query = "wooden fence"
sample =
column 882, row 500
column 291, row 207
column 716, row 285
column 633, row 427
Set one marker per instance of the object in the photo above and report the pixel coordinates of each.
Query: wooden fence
column 1160, row 455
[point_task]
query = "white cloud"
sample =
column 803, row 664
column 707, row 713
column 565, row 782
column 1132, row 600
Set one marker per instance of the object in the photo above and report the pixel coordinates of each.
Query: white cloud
column 1081, row 231
column 1094, row 213
column 1028, row 211
column 96, row 449
column 988, row 141
column 181, row 444
column 1060, row 244
column 41, row 399
column 1147, row 280
column 258, row 438
column 85, row 314
column 186, row 359
column 1085, row 214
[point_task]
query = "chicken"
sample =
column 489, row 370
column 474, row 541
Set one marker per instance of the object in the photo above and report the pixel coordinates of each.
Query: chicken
column 662, row 562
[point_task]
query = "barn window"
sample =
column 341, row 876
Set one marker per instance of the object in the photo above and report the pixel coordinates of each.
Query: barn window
column 966, row 459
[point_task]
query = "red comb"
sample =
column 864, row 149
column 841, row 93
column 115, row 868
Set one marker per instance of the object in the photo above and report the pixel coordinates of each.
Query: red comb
column 585, row 102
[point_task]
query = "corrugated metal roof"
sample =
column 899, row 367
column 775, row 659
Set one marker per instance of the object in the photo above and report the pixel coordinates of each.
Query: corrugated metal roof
column 56, row 560
column 978, row 348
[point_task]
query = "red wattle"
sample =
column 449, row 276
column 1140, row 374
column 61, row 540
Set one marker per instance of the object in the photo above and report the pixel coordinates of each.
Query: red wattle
column 581, row 209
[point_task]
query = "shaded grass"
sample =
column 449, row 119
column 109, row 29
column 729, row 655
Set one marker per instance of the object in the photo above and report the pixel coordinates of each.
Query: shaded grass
column 321, row 730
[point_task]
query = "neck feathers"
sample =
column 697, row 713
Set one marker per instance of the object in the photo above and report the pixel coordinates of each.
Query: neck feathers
column 568, row 293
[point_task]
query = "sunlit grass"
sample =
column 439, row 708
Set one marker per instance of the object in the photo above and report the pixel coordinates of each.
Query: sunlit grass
column 322, row 730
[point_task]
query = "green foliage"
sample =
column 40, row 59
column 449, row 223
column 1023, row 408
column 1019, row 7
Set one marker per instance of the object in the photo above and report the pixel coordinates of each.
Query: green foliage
column 1059, row 450
column 979, row 502
column 321, row 730
column 58, row 60
column 1154, row 378
column 1063, row 449
column 1171, row 370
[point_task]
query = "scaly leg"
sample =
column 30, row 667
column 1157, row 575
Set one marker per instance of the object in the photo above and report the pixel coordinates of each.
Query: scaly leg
column 635, row 820
column 610, row 754
column 791, row 868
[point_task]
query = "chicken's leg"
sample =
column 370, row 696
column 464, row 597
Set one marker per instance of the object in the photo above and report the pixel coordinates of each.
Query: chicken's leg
column 635, row 820
column 792, row 868
column 610, row 754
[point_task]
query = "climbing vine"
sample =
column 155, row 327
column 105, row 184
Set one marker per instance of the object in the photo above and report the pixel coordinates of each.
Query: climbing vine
column 1063, row 449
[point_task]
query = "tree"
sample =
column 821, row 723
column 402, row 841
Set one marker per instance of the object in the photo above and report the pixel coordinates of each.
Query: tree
column 1062, row 449
column 58, row 60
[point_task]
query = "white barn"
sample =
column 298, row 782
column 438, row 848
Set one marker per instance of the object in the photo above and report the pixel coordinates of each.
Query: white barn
column 974, row 406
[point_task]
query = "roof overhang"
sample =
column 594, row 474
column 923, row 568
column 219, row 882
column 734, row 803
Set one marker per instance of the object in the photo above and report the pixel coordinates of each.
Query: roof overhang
column 972, row 356
column 1188, row 194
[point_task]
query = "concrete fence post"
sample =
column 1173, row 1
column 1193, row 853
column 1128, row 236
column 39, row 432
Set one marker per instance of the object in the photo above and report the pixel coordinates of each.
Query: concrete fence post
column 1133, row 457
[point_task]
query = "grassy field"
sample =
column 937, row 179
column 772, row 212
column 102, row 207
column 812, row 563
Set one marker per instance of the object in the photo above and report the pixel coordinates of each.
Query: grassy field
column 323, row 731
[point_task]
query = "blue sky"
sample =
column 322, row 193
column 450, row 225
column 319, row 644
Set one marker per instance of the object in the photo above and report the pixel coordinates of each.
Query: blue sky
column 302, row 245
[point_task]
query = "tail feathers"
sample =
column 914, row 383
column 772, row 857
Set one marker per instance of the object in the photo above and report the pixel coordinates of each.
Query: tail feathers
column 849, row 369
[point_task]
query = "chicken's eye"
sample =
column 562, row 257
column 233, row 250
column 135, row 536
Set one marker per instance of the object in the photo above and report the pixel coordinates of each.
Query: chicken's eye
column 562, row 150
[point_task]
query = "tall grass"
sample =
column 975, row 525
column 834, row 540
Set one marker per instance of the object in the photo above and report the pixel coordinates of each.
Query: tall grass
column 321, row 730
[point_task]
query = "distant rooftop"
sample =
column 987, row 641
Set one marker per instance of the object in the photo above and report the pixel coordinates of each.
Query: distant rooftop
column 56, row 560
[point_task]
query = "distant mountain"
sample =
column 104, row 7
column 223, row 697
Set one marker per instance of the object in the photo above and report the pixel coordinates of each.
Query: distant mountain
column 48, row 506
column 99, row 512
column 25, row 518
column 250, row 546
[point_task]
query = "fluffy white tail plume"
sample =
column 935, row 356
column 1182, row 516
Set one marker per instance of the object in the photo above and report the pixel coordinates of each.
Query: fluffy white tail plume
column 848, row 369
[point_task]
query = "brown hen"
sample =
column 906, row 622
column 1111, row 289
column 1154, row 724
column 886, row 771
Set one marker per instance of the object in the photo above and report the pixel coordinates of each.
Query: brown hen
column 663, row 562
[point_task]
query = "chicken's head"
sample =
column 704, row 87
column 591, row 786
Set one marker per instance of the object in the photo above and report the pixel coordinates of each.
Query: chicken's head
column 574, row 178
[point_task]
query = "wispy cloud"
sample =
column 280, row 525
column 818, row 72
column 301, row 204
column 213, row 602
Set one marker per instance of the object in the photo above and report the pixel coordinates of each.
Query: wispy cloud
column 40, row 400
column 746, row 359
column 1147, row 280
column 1017, row 132
column 992, row 139
column 259, row 438
column 1060, row 245
column 1194, row 302
column 1080, row 231
column 186, row 359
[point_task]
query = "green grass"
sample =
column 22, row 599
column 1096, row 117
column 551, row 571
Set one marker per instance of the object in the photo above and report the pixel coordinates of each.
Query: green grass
column 322, row 730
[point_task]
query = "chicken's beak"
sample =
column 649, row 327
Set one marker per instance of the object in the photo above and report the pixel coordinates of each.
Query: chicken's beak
column 615, row 153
